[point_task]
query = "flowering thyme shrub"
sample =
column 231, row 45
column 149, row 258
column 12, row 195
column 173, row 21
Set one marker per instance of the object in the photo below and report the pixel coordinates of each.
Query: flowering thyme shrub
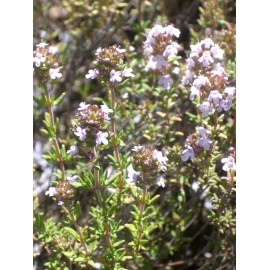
column 135, row 159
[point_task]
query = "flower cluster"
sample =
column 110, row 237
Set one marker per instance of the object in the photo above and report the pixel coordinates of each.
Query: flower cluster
column 110, row 65
column 150, row 162
column 63, row 191
column 88, row 127
column 229, row 162
column 195, row 143
column 207, row 77
column 45, row 62
column 159, row 48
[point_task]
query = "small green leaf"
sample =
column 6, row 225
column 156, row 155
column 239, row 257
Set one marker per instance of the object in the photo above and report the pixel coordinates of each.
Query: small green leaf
column 77, row 210
column 59, row 99
column 112, row 179
column 72, row 233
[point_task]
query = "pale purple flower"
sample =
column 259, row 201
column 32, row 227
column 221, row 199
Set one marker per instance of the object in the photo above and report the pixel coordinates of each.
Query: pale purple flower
column 195, row 50
column 217, row 52
column 81, row 133
column 155, row 62
column 206, row 108
column 127, row 72
column 102, row 138
column 214, row 97
column 229, row 163
column 203, row 131
column 51, row 192
column 147, row 50
column 205, row 143
column 106, row 111
column 72, row 179
column 83, row 106
column 165, row 81
column 115, row 76
column 60, row 203
column 188, row 154
column 54, row 73
column 206, row 59
column 230, row 91
column 194, row 92
column 170, row 51
column 190, row 63
column 162, row 160
column 218, row 70
column 73, row 150
column 132, row 175
column 187, row 78
column 92, row 74
column 201, row 81
column 172, row 31
column 208, row 42
column 160, row 181
column 225, row 105
column 156, row 30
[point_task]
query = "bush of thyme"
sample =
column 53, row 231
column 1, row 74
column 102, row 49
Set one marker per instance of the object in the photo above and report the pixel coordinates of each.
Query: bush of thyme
column 134, row 134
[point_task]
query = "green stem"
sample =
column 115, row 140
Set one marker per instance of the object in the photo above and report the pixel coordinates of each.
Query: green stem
column 115, row 146
column 55, row 141
column 78, row 229
column 101, row 202
column 142, row 207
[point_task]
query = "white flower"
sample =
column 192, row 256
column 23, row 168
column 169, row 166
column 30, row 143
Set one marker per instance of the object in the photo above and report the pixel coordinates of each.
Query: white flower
column 115, row 76
column 42, row 45
column 165, row 81
column 214, row 97
column 60, row 203
column 190, row 63
column 194, row 92
column 127, row 72
column 136, row 148
column 132, row 175
column 217, row 52
column 160, row 181
column 120, row 50
column 229, row 163
column 54, row 73
column 218, row 70
column 81, row 133
column 92, row 74
column 206, row 108
column 82, row 106
column 208, row 42
column 162, row 160
column 156, row 30
column 188, row 153
column 172, row 31
column 206, row 59
column 105, row 109
column 155, row 62
column 195, row 50
column 73, row 150
column 51, row 192
column 170, row 51
column 72, row 179
column 102, row 137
